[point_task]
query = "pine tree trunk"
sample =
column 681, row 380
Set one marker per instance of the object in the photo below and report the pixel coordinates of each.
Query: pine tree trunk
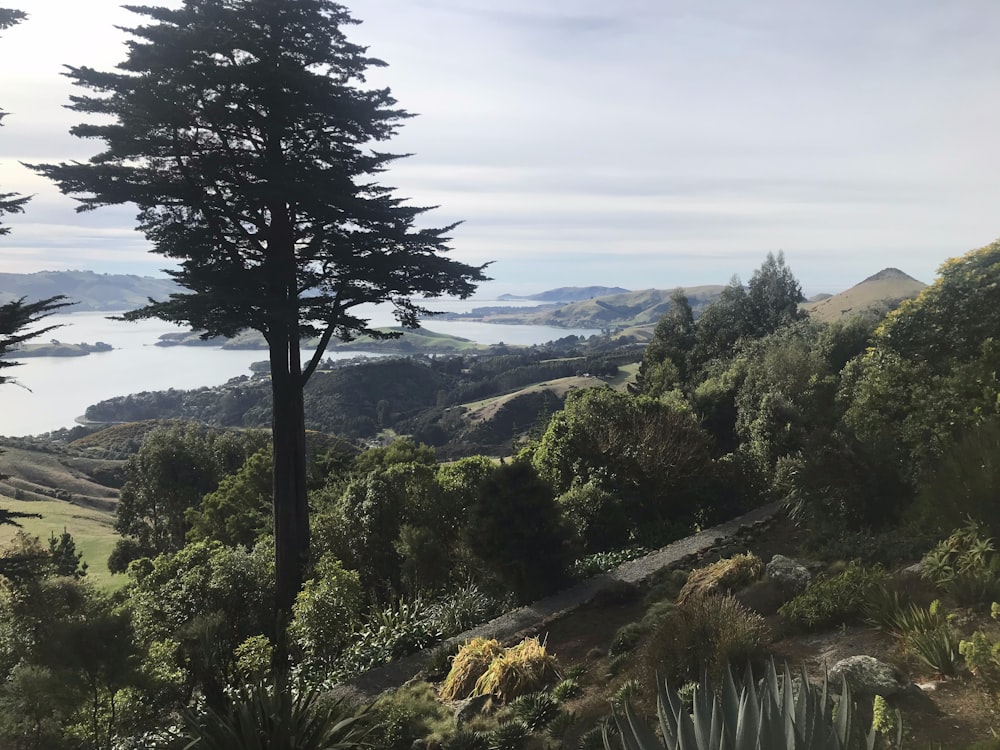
column 291, row 512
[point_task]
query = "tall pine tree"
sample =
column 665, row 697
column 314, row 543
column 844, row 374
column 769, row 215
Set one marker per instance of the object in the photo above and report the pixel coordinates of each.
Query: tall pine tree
column 243, row 132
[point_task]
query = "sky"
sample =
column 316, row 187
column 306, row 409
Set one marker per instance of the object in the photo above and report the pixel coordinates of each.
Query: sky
column 637, row 143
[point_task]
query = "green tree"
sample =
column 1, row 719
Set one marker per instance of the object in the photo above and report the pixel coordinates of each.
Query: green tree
column 327, row 611
column 929, row 376
column 773, row 296
column 238, row 511
column 652, row 456
column 721, row 325
column 665, row 359
column 172, row 471
column 65, row 559
column 241, row 131
column 192, row 609
column 10, row 203
column 516, row 532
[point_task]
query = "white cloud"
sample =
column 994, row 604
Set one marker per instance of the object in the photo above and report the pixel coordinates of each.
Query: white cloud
column 853, row 135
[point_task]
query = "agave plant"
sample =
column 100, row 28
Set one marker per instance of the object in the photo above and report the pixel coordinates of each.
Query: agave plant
column 779, row 713
column 274, row 716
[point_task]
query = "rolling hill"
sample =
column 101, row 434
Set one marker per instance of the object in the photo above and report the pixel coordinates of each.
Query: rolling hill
column 87, row 289
column 876, row 295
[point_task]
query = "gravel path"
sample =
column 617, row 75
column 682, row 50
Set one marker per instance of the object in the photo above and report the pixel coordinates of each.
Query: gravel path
column 371, row 684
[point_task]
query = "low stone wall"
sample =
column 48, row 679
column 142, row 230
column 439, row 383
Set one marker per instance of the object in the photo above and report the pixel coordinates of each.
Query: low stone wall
column 683, row 553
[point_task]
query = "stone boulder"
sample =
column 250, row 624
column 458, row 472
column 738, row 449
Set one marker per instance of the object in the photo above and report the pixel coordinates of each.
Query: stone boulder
column 468, row 709
column 788, row 574
column 869, row 676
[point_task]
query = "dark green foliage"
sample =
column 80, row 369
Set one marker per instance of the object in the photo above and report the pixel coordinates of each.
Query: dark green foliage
column 242, row 134
column 786, row 395
column 653, row 461
column 173, row 470
column 207, row 599
column 964, row 484
column 929, row 377
column 511, row 735
column 721, row 326
column 536, row 710
column 565, row 690
column 777, row 712
column 515, row 533
column 238, row 511
column 65, row 559
column 17, row 319
column 836, row 599
column 275, row 716
column 665, row 359
column 773, row 296
column 966, row 566
column 465, row 739
column 839, row 483
column 627, row 638
column 10, row 203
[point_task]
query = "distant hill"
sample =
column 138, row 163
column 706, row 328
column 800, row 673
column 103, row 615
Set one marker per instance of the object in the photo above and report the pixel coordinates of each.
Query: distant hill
column 876, row 295
column 89, row 290
column 568, row 294
column 623, row 310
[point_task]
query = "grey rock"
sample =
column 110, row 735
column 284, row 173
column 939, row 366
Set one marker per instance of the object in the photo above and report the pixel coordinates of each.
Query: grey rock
column 788, row 573
column 868, row 675
column 470, row 708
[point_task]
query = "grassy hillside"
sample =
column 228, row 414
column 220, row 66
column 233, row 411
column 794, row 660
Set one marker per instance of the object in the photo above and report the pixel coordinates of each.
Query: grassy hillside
column 64, row 490
column 92, row 531
column 483, row 411
column 88, row 290
column 876, row 295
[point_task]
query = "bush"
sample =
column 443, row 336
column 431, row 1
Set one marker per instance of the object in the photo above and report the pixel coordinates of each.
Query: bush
column 525, row 668
column 410, row 713
column 277, row 715
column 706, row 633
column 326, row 611
column 397, row 630
column 536, row 710
column 835, row 600
column 982, row 655
column 464, row 608
column 627, row 638
column 965, row 566
column 516, row 535
column 469, row 664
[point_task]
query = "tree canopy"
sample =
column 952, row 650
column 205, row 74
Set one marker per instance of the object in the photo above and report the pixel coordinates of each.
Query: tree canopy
column 10, row 203
column 242, row 131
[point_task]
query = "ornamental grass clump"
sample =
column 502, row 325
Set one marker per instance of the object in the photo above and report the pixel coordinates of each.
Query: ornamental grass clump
column 468, row 665
column 524, row 668
column 722, row 577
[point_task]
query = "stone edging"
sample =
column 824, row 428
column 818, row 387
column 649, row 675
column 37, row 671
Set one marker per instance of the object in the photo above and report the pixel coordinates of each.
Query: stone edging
column 369, row 685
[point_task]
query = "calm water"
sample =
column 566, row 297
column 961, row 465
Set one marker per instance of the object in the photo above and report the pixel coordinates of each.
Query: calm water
column 61, row 388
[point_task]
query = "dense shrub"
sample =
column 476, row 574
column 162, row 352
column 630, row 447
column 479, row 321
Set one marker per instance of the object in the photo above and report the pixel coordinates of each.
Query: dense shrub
column 705, row 633
column 965, row 566
column 835, row 600
column 516, row 534
column 327, row 611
